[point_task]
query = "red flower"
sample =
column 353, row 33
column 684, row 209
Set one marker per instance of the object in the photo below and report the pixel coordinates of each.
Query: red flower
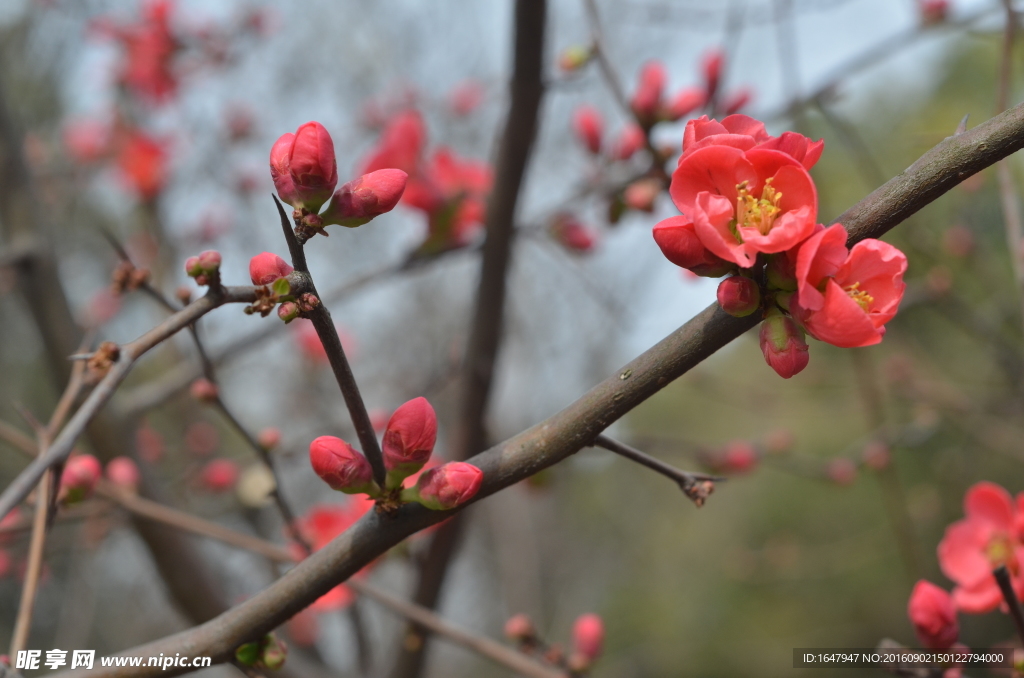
column 933, row 614
column 711, row 65
column 783, row 344
column 738, row 100
column 745, row 133
column 588, row 636
column 588, row 125
column 87, row 140
column 304, row 168
column 683, row 103
column 453, row 192
column 571, row 234
column 739, row 296
column 409, row 439
column 123, row 472
column 340, row 466
column 362, row 199
column 989, row 536
column 142, row 162
column 446, row 487
column 219, row 475
column 319, row 527
column 630, row 140
column 149, row 50
column 742, row 203
column 678, row 241
column 400, row 146
column 79, row 478
column 647, row 98
column 266, row 267
column 848, row 305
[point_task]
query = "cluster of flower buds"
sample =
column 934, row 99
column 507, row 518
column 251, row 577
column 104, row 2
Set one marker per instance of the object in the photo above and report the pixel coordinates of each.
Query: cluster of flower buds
column 205, row 268
column 408, row 443
column 268, row 653
column 79, row 478
column 587, row 642
column 750, row 208
column 305, row 173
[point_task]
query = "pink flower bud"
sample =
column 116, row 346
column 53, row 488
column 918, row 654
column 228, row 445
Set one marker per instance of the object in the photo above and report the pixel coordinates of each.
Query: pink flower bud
column 588, row 636
column 219, row 475
column 446, row 487
column 409, row 439
column 573, row 235
column 736, row 101
column 630, row 140
column 841, row 471
column 123, row 472
column 876, row 455
column 783, row 344
column 520, row 629
column 288, row 311
column 933, row 614
column 683, row 103
column 739, row 296
column 304, row 168
column 712, row 68
column 204, row 390
column 210, row 260
column 678, row 241
column 647, row 98
column 193, row 267
column 362, row 199
column 269, row 438
column 588, row 126
column 340, row 466
column 267, row 267
column 79, row 478
column 738, row 456
column 641, row 194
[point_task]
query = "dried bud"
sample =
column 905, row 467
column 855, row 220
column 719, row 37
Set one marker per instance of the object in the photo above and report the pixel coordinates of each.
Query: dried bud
column 288, row 311
column 79, row 478
column 267, row 267
column 409, row 440
column 588, row 636
column 588, row 126
column 630, row 140
column 340, row 466
column 641, row 194
column 123, row 472
column 446, row 487
column 204, row 390
column 362, row 199
column 519, row 628
column 783, row 344
column 304, row 168
column 219, row 475
column 269, row 438
column 574, row 58
column 739, row 296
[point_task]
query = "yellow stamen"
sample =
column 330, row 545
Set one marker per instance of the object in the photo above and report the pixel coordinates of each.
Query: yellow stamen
column 759, row 213
column 859, row 295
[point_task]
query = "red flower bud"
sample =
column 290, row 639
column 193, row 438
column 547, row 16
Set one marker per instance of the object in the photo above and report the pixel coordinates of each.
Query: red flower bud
column 588, row 636
column 712, row 67
column 647, row 98
column 267, row 267
column 841, row 471
column 783, row 344
column 304, row 168
column 219, row 475
column 679, row 243
column 641, row 194
column 588, row 126
column 630, row 140
column 573, row 235
column 204, row 390
column 409, row 439
column 79, row 478
column 123, row 472
column 340, row 466
column 269, row 438
column 446, row 487
column 362, row 199
column 683, row 103
column 192, row 267
column 520, row 629
column 876, row 455
column 288, row 311
column 739, row 296
column 933, row 614
column 738, row 456
column 210, row 260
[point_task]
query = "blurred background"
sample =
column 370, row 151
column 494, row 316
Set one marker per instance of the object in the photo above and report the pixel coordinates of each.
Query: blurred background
column 149, row 125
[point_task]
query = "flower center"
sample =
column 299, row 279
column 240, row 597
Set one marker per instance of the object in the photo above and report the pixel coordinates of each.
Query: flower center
column 759, row 213
column 859, row 295
column 999, row 551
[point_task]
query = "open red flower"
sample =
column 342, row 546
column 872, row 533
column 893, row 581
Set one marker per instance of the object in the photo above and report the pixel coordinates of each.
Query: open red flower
column 745, row 133
column 321, row 524
column 400, row 146
column 745, row 202
column 678, row 241
column 933, row 614
column 987, row 537
column 848, row 304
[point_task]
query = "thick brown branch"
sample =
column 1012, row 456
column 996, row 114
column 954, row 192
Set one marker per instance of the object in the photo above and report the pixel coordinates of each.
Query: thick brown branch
column 576, row 426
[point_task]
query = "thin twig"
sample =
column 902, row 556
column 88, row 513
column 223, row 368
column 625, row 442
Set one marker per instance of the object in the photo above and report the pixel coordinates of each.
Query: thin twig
column 34, row 566
column 1010, row 596
column 696, row 486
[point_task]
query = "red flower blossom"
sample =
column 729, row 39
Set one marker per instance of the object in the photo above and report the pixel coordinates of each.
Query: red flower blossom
column 400, row 146
column 745, row 133
column 142, row 162
column 933, row 614
column 321, row 524
column 446, row 487
column 123, row 472
column 366, row 197
column 987, row 537
column 340, row 466
column 569, row 232
column 678, row 241
column 742, row 203
column 219, row 475
column 304, row 168
column 588, row 126
column 409, row 439
column 630, row 140
column 847, row 304
column 266, row 267
column 79, row 478
column 147, row 68
column 588, row 636
column 683, row 103
column 647, row 99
